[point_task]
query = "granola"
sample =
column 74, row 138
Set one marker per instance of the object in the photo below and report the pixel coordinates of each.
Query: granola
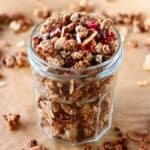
column 74, row 109
column 12, row 121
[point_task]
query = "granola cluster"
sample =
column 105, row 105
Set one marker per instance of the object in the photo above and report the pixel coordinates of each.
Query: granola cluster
column 17, row 22
column 138, row 21
column 33, row 145
column 75, row 40
column 12, row 121
column 19, row 59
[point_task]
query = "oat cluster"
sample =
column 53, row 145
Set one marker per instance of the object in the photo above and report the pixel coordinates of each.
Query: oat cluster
column 12, row 121
column 75, row 40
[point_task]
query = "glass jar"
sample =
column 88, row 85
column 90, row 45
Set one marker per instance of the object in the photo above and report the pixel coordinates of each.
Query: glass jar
column 74, row 106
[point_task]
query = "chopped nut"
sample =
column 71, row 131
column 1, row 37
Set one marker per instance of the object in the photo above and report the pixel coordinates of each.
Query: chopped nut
column 12, row 121
column 89, row 39
column 83, row 31
column 132, row 44
column 59, row 43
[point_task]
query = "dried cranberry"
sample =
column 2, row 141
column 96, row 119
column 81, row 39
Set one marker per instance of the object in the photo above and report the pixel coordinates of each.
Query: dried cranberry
column 88, row 47
column 92, row 24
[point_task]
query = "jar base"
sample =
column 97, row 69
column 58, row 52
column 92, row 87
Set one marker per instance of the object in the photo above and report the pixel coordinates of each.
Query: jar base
column 89, row 140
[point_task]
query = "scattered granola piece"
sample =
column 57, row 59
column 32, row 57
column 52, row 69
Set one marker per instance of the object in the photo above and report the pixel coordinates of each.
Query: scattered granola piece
column 12, row 121
column 146, row 64
column 132, row 44
column 9, row 61
column 43, row 12
column 20, row 23
column 143, row 83
column 21, row 59
column 32, row 143
column 4, row 19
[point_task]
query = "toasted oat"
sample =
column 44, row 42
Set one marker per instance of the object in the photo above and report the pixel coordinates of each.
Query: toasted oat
column 132, row 44
column 146, row 64
column 12, row 121
column 143, row 83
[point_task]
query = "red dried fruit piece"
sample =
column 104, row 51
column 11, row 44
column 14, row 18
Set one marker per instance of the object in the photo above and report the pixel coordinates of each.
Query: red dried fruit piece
column 88, row 47
column 91, row 24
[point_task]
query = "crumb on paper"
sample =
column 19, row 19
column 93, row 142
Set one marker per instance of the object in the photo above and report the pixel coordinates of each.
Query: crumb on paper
column 12, row 121
column 143, row 83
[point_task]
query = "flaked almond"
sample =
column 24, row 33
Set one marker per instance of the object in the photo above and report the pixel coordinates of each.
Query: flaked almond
column 89, row 39
column 71, row 89
column 59, row 43
column 143, row 83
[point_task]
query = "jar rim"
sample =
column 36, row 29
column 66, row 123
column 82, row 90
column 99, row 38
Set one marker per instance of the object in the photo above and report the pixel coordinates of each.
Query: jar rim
column 39, row 59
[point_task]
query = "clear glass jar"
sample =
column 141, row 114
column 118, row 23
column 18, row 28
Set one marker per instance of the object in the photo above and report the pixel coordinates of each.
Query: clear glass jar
column 74, row 106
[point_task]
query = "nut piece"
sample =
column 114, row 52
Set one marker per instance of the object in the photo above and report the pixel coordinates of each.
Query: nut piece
column 12, row 121
column 132, row 44
column 143, row 83
column 32, row 143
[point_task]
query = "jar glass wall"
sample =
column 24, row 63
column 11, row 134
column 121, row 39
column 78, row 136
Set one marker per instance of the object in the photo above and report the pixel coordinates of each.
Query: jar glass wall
column 74, row 106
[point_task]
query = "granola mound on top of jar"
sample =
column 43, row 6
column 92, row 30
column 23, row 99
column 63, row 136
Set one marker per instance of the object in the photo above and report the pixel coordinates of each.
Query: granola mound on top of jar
column 75, row 40
column 75, row 106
